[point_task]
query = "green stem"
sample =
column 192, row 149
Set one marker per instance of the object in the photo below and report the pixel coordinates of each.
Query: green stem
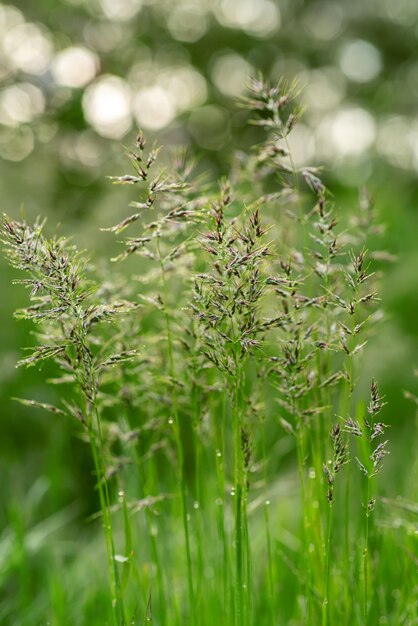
column 347, row 517
column 198, row 508
column 86, row 379
column 326, row 596
column 239, row 501
column 367, row 529
column 366, row 558
column 306, row 523
column 347, row 546
column 268, row 534
column 179, row 442
column 144, row 488
column 100, row 469
column 220, row 474
column 248, row 597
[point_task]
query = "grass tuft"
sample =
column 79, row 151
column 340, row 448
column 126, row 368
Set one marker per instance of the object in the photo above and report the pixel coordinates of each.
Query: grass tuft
column 219, row 389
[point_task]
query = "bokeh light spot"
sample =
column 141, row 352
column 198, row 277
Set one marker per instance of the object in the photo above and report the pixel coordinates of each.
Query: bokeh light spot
column 230, row 74
column 323, row 20
column 154, row 107
column 74, row 67
column 120, row 9
column 360, row 61
column 186, row 86
column 104, row 36
column 403, row 12
column 395, row 140
column 107, row 106
column 163, row 93
column 188, row 23
column 79, row 150
column 324, row 89
column 16, row 143
column 20, row 103
column 28, row 48
column 302, row 145
column 353, row 131
column 9, row 16
column 260, row 18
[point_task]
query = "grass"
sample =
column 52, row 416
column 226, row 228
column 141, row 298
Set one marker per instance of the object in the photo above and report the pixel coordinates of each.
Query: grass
column 236, row 459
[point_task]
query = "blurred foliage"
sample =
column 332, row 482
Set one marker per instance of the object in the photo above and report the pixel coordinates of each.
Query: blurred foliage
column 79, row 76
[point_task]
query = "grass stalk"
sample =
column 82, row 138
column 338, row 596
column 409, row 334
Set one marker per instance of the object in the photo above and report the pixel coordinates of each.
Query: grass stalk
column 240, row 614
column 347, row 547
column 305, row 523
column 366, row 543
column 220, row 438
column 179, row 441
column 270, row 567
column 347, row 508
column 145, row 486
column 100, row 469
column 326, row 602
column 88, row 385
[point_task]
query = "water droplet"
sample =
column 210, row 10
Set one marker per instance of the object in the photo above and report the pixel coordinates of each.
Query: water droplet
column 312, row 473
column 232, row 492
column 315, row 504
column 267, row 502
column 219, row 502
column 218, row 453
column 195, row 505
column 120, row 558
column 171, row 421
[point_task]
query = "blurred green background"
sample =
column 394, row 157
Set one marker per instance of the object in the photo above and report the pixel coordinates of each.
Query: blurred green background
column 78, row 77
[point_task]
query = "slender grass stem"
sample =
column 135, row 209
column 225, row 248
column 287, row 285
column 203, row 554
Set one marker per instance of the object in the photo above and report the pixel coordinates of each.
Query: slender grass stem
column 347, row 559
column 179, row 442
column 197, row 511
column 220, row 474
column 240, row 616
column 326, row 608
column 306, row 522
column 347, row 516
column 116, row 595
column 270, row 568
column 155, row 550
column 94, row 425
column 248, row 597
column 368, row 507
column 366, row 557
column 145, row 487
